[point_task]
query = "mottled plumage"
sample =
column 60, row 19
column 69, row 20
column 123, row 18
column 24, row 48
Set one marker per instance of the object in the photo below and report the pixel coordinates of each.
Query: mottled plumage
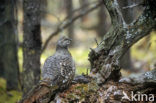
column 59, row 69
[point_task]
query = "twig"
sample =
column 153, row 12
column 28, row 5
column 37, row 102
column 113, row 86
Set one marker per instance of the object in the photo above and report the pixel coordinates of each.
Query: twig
column 131, row 6
column 96, row 42
column 67, row 22
column 120, row 13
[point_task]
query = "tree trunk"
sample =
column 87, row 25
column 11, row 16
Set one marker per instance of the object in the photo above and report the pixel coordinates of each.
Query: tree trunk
column 2, row 15
column 8, row 43
column 69, row 10
column 31, row 44
column 128, row 15
column 105, row 59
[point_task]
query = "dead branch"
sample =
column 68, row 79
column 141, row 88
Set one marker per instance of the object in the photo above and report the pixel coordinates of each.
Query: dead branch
column 106, row 57
column 132, row 6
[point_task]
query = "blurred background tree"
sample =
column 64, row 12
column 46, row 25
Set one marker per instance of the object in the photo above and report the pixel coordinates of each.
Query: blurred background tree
column 69, row 12
column 84, row 4
column 9, row 68
column 31, row 44
column 103, row 24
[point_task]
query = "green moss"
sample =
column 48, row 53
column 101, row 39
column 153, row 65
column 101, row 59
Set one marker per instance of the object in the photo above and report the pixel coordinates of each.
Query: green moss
column 2, row 84
column 8, row 97
column 82, row 92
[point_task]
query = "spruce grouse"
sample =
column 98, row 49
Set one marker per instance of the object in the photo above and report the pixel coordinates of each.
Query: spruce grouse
column 58, row 73
column 60, row 68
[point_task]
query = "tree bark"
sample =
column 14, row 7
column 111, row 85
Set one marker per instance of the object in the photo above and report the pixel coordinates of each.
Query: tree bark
column 31, row 44
column 128, row 15
column 8, row 43
column 105, row 59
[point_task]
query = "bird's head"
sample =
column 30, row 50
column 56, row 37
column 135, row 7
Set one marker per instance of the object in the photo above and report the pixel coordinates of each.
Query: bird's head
column 63, row 42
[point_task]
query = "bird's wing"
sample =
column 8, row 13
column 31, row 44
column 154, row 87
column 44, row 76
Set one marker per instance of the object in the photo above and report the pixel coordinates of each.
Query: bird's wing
column 57, row 68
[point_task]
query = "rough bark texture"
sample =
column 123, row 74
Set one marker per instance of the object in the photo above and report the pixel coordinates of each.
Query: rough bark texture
column 111, row 92
column 40, row 94
column 8, row 43
column 128, row 15
column 105, row 59
column 31, row 44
